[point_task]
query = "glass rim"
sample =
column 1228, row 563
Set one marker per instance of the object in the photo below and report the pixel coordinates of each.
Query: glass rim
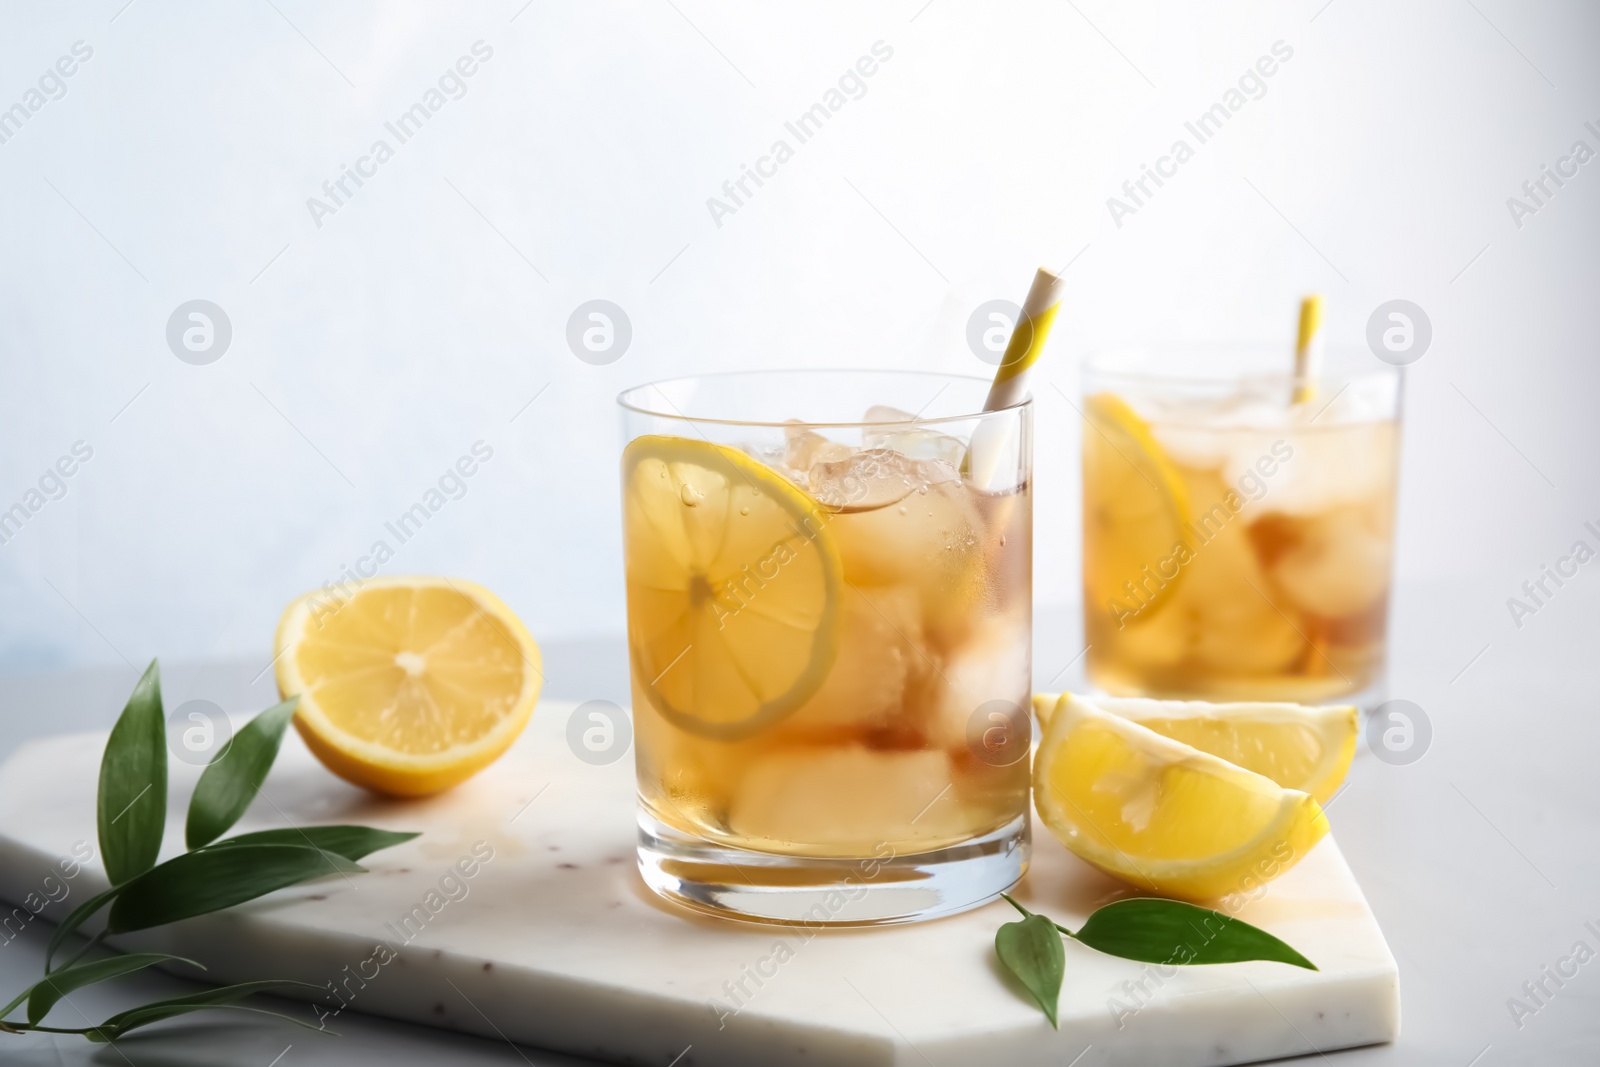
column 628, row 398
column 1104, row 364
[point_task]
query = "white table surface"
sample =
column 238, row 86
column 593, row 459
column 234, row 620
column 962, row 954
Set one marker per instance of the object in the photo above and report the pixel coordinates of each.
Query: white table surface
column 1479, row 859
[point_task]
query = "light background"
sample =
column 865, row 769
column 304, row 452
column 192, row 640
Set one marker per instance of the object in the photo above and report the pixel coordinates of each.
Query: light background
column 371, row 352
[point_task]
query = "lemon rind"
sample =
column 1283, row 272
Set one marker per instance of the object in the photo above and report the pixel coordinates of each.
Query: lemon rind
column 292, row 628
column 801, row 506
column 1207, row 878
column 1331, row 770
column 1120, row 415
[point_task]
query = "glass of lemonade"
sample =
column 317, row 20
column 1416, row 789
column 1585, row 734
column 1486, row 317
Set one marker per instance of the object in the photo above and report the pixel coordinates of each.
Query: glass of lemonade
column 1238, row 524
column 829, row 629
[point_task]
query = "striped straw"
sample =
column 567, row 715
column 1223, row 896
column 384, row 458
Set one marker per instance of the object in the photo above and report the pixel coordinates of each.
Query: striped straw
column 1027, row 341
column 991, row 454
column 1308, row 349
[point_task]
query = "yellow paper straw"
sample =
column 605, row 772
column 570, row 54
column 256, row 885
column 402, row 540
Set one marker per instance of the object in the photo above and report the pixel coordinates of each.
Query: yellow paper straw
column 1027, row 341
column 990, row 458
column 1308, row 349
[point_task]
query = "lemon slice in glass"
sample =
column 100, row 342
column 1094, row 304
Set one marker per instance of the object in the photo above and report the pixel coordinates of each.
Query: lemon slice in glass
column 409, row 685
column 733, row 583
column 1135, row 508
column 1297, row 746
column 1162, row 815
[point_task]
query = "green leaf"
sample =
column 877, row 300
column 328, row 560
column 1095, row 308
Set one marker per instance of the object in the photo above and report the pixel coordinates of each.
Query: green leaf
column 232, row 778
column 351, row 842
column 1171, row 932
column 70, row 924
column 219, row 997
column 1031, row 949
column 211, row 879
column 133, row 783
column 44, row 994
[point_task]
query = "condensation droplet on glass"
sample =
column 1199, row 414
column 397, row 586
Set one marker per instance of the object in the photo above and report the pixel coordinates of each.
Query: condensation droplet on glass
column 903, row 509
column 690, row 496
column 744, row 510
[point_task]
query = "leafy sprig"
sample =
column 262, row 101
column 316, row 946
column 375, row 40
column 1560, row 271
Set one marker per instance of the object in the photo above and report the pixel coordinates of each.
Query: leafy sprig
column 215, row 873
column 1146, row 929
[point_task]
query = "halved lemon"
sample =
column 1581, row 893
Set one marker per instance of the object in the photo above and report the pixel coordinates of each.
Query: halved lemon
column 734, row 586
column 409, row 685
column 1297, row 746
column 1135, row 510
column 1164, row 816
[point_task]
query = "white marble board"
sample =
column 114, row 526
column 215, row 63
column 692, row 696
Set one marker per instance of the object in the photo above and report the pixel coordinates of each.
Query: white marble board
column 555, row 942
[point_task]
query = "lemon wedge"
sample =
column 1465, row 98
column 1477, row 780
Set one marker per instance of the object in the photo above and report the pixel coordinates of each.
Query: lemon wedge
column 1136, row 509
column 734, row 585
column 1298, row 747
column 410, row 685
column 1162, row 815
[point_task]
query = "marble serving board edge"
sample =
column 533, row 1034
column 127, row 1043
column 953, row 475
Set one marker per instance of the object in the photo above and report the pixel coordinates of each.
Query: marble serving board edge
column 640, row 981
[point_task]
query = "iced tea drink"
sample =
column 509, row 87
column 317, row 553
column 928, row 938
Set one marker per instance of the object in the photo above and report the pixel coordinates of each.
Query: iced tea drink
column 829, row 628
column 1237, row 545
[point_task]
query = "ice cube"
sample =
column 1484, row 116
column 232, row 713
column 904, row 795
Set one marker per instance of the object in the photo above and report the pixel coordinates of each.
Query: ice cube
column 1325, row 467
column 1197, row 432
column 847, row 800
column 903, row 436
column 804, row 447
column 774, row 456
column 994, row 663
column 874, row 478
column 1339, row 562
column 1236, row 637
column 905, row 521
column 1223, row 594
column 1198, row 447
column 885, row 413
column 879, row 649
column 1365, row 400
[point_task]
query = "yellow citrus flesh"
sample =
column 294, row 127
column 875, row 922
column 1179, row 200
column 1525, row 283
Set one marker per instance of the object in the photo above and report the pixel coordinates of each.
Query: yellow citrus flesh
column 1135, row 510
column 1162, row 815
column 1296, row 746
column 410, row 685
column 734, row 586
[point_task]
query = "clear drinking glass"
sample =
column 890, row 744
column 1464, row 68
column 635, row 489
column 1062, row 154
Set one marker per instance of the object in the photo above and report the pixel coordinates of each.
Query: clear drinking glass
column 1238, row 523
column 829, row 628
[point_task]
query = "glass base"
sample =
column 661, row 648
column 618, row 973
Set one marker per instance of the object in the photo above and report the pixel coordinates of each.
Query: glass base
column 765, row 887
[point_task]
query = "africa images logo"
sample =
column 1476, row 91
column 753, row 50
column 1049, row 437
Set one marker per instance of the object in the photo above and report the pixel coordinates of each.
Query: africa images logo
column 452, row 85
column 52, row 85
column 805, row 126
column 1251, row 85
